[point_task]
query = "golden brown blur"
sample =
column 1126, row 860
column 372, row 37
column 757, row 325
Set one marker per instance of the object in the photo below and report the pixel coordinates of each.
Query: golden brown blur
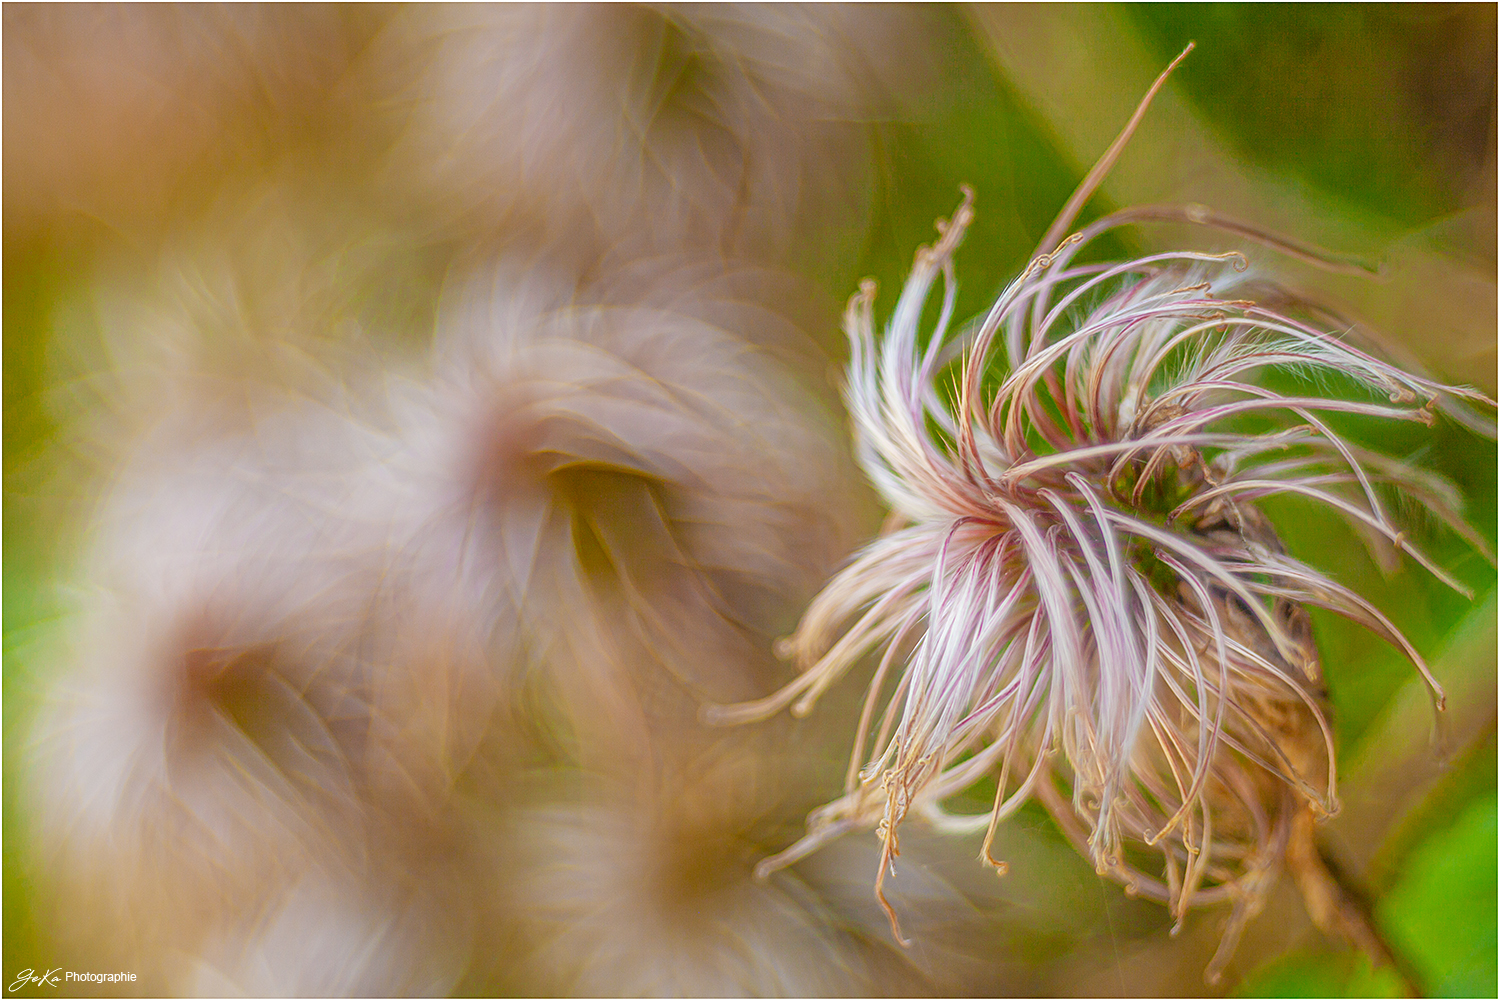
column 415, row 414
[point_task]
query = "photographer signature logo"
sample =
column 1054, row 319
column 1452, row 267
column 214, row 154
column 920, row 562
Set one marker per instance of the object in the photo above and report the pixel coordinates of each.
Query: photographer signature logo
column 55, row 978
column 51, row 978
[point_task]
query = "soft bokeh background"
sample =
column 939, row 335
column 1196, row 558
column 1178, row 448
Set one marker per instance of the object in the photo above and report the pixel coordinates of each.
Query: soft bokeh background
column 245, row 176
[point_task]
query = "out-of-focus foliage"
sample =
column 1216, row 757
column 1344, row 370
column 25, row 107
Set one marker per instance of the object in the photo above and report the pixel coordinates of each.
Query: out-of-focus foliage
column 1315, row 975
column 1441, row 911
column 259, row 141
column 1383, row 108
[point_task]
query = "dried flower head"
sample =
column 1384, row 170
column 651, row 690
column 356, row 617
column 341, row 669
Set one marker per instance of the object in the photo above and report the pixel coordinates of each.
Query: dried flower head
column 1086, row 598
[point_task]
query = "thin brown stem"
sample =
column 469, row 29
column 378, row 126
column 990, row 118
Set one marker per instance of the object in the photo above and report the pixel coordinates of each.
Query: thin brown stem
column 1096, row 176
column 1335, row 906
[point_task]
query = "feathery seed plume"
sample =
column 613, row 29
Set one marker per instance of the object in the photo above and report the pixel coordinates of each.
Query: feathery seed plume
column 1076, row 590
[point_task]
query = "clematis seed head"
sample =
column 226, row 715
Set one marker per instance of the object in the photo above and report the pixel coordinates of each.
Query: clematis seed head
column 1077, row 593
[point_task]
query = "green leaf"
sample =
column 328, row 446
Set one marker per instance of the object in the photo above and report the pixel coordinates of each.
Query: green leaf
column 1441, row 913
column 1320, row 975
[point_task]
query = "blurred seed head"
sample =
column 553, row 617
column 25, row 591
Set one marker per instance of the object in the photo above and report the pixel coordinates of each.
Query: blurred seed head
column 325, row 567
column 645, row 888
column 647, row 462
column 636, row 129
column 256, row 694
